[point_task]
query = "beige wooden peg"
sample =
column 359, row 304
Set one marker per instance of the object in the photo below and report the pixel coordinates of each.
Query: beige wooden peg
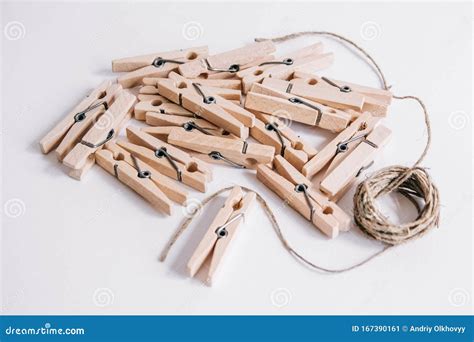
column 359, row 159
column 294, row 189
column 167, row 122
column 103, row 130
column 382, row 95
column 310, row 57
column 267, row 100
column 90, row 107
column 338, row 147
column 270, row 130
column 221, row 234
column 231, row 94
column 236, row 153
column 230, row 61
column 154, row 65
column 322, row 90
column 172, row 190
column 208, row 106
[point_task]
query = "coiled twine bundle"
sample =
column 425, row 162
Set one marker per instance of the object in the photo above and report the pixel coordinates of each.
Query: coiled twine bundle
column 415, row 185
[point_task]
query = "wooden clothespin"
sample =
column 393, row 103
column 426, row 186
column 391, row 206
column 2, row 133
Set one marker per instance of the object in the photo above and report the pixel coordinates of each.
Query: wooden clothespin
column 154, row 65
column 167, row 159
column 158, row 104
column 270, row 101
column 142, row 178
column 103, row 130
column 382, row 95
column 310, row 58
column 73, row 126
column 163, row 124
column 228, row 62
column 237, row 153
column 271, row 130
column 297, row 191
column 339, row 176
column 325, row 91
column 204, row 104
column 343, row 143
column 231, row 94
column 347, row 155
column 221, row 234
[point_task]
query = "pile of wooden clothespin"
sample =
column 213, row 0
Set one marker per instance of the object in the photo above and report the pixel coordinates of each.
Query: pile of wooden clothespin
column 227, row 108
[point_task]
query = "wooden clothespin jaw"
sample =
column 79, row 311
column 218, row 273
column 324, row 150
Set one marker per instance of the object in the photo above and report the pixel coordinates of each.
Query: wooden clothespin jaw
column 341, row 145
column 297, row 191
column 103, row 130
column 142, row 178
column 340, row 176
column 270, row 101
column 154, row 65
column 337, row 95
column 271, row 130
column 71, row 128
column 222, row 113
column 229, row 62
column 237, row 153
column 167, row 159
column 163, row 124
column 221, row 234
column 309, row 58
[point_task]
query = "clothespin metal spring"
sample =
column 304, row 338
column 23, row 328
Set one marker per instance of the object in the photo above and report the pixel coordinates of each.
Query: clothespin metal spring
column 110, row 135
column 343, row 146
column 158, row 62
column 344, row 88
column 304, row 189
column 205, row 99
column 162, row 152
column 221, row 231
column 141, row 173
column 297, row 100
column 190, row 125
column 286, row 61
column 82, row 115
column 274, row 127
column 233, row 68
column 218, row 156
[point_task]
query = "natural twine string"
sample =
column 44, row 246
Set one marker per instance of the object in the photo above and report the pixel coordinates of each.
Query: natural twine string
column 412, row 182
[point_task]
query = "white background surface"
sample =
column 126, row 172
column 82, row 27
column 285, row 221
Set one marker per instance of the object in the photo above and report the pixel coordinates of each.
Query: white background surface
column 92, row 247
